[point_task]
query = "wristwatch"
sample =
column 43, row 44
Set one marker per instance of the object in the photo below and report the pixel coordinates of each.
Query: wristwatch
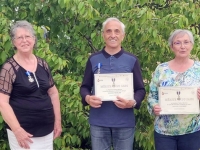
column 134, row 104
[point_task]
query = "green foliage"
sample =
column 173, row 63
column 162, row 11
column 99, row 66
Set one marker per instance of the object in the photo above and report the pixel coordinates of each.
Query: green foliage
column 5, row 45
column 74, row 32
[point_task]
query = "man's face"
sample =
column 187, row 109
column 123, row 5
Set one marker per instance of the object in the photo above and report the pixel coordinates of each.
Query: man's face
column 113, row 35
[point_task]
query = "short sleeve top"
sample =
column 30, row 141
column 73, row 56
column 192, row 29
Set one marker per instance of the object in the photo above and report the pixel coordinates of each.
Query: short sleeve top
column 28, row 97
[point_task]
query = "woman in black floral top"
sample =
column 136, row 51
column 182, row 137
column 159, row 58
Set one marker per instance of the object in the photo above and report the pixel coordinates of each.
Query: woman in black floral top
column 29, row 100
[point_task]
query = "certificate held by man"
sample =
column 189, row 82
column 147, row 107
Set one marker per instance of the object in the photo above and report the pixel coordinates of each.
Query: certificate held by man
column 109, row 86
column 178, row 100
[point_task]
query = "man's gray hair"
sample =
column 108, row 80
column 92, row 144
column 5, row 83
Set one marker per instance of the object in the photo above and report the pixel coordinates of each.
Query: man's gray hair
column 113, row 19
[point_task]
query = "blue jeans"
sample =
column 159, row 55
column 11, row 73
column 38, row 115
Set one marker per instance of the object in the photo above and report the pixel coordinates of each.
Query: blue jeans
column 180, row 142
column 103, row 138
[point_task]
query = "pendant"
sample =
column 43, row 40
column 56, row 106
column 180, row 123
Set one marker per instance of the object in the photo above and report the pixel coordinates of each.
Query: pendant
column 113, row 80
column 30, row 79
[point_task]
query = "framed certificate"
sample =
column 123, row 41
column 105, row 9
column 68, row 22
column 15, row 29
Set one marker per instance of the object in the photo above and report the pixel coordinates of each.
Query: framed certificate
column 178, row 100
column 109, row 86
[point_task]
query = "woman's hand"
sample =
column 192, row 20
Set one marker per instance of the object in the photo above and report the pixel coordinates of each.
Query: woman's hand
column 23, row 138
column 156, row 110
column 198, row 93
column 57, row 129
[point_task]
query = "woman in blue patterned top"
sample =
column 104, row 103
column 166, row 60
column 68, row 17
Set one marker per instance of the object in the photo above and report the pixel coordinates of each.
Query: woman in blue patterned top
column 176, row 131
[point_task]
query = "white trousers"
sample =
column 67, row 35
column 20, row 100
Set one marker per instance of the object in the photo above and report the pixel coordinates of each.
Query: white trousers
column 39, row 143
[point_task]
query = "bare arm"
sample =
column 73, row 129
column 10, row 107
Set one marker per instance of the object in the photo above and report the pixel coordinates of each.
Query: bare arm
column 53, row 93
column 9, row 117
column 7, row 112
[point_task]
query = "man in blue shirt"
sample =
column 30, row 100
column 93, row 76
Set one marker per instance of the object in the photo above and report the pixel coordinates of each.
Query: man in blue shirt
column 112, row 123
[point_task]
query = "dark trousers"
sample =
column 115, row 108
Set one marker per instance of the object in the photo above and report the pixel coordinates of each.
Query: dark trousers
column 180, row 142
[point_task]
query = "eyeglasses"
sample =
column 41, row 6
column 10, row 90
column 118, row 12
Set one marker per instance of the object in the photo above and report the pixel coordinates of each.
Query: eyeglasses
column 185, row 43
column 20, row 38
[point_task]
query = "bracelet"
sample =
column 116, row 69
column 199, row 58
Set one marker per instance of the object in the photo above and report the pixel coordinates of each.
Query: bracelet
column 131, row 104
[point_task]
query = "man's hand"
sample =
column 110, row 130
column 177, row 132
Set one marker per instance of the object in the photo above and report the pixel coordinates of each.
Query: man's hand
column 122, row 103
column 93, row 101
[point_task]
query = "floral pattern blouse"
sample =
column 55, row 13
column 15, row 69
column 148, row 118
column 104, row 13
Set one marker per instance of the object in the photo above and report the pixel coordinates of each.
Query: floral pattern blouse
column 175, row 124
